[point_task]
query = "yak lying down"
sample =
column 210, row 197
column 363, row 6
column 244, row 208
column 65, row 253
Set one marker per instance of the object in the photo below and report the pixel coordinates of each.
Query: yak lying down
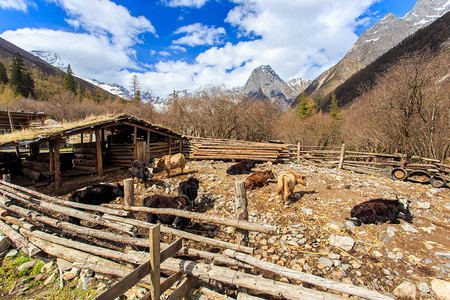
column 379, row 211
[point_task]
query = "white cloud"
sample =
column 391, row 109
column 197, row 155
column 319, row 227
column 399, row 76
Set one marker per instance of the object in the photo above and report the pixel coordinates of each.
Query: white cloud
column 198, row 34
column 106, row 17
column 186, row 3
column 177, row 48
column 89, row 56
column 16, row 4
column 295, row 37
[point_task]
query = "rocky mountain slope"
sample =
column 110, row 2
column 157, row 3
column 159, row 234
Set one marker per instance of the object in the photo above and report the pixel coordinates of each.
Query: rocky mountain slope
column 264, row 83
column 8, row 50
column 376, row 41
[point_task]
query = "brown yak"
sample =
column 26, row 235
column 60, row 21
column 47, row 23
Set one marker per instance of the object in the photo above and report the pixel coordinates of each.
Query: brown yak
column 168, row 162
column 259, row 179
column 287, row 182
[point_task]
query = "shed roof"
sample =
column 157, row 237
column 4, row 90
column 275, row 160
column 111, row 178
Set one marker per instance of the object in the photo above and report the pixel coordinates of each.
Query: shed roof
column 29, row 136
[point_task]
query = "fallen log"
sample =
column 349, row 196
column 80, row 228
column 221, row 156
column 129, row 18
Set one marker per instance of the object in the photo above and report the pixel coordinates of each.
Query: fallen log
column 186, row 235
column 19, row 240
column 12, row 188
column 105, row 235
column 134, row 257
column 74, row 255
column 252, row 282
column 69, row 212
column 264, row 228
column 308, row 278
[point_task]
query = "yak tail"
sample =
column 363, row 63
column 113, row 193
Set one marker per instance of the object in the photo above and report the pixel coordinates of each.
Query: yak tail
column 280, row 186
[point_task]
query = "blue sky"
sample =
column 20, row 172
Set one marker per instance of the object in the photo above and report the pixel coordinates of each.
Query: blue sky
column 190, row 44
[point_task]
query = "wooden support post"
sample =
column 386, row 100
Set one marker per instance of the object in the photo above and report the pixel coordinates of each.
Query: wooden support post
column 81, row 138
column 154, row 239
column 98, row 144
column 51, row 155
column 57, row 165
column 298, row 152
column 341, row 160
column 128, row 189
column 6, row 177
column 240, row 205
column 90, row 137
column 170, row 146
column 181, row 145
column 135, row 143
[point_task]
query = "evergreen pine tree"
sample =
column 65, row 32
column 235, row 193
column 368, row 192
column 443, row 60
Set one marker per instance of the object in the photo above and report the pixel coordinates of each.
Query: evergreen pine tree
column 28, row 85
column 20, row 80
column 304, row 107
column 335, row 111
column 69, row 82
column 137, row 96
column 3, row 75
column 79, row 93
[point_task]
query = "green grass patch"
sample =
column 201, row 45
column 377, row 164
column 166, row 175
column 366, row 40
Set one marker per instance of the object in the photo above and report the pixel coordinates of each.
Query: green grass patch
column 37, row 268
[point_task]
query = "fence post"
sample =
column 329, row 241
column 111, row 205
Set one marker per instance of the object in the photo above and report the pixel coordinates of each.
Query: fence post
column 154, row 240
column 128, row 190
column 298, row 152
column 341, row 160
column 240, row 205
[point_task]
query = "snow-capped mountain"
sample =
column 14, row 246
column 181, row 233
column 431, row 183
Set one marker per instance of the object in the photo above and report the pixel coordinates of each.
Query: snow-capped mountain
column 51, row 58
column 264, row 83
column 376, row 41
column 114, row 89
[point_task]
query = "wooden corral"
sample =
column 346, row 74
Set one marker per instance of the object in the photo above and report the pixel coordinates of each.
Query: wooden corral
column 92, row 146
column 10, row 120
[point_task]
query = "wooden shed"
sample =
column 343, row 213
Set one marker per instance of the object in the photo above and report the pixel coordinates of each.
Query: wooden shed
column 89, row 146
column 17, row 120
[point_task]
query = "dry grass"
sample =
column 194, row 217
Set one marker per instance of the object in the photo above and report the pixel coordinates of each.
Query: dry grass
column 32, row 134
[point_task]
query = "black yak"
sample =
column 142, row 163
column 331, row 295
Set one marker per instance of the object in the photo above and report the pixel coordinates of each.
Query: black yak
column 189, row 188
column 95, row 195
column 140, row 170
column 242, row 167
column 379, row 210
column 162, row 201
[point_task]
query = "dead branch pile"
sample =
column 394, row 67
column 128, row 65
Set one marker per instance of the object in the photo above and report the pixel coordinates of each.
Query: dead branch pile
column 35, row 222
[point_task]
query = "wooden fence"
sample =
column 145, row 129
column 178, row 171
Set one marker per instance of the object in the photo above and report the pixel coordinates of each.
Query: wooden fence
column 417, row 169
column 36, row 216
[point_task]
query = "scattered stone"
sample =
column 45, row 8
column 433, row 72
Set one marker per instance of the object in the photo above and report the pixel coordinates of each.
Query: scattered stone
column 423, row 287
column 69, row 276
column 334, row 227
column 50, row 279
column 27, row 265
column 405, row 290
column 343, row 242
column 307, row 211
column 333, row 256
column 441, row 288
column 11, row 253
column 377, row 254
column 5, row 243
column 350, row 225
column 355, row 265
column 391, row 231
column 409, row 228
column 325, row 261
column 423, row 205
column 63, row 265
column 45, row 268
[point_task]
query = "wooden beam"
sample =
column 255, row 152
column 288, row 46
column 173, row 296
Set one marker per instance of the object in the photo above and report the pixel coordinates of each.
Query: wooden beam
column 170, row 145
column 98, row 144
column 341, row 159
column 166, row 284
column 126, row 283
column 155, row 254
column 186, row 284
column 149, row 129
column 135, row 143
column 57, row 164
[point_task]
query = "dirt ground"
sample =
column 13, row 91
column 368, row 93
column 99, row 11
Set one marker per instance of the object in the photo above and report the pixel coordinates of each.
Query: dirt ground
column 383, row 255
